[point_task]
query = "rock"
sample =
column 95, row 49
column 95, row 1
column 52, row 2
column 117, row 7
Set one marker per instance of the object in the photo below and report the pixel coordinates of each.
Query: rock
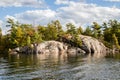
column 89, row 45
column 92, row 45
column 24, row 49
column 74, row 51
column 53, row 47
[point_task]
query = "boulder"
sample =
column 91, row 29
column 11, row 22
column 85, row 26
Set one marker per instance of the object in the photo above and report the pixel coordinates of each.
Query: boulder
column 92, row 45
column 51, row 47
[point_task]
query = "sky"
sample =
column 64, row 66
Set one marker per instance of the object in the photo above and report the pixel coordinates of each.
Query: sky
column 77, row 12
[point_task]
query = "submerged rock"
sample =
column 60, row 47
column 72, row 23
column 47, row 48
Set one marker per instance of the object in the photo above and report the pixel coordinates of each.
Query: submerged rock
column 74, row 51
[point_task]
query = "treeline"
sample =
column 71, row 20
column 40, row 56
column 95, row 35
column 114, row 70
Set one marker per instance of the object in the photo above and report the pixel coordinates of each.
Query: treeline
column 26, row 34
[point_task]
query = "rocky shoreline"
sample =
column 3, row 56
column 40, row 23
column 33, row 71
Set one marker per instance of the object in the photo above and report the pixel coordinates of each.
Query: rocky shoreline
column 89, row 45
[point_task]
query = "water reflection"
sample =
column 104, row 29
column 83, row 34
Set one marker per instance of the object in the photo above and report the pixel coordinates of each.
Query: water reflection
column 115, row 56
column 50, row 67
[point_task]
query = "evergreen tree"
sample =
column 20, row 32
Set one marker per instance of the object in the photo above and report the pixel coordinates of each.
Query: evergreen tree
column 71, row 29
column 79, row 30
column 115, row 41
column 88, row 31
column 96, row 30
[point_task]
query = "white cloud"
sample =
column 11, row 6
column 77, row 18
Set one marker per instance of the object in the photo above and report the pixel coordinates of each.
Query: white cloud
column 35, row 16
column 113, row 0
column 20, row 3
column 3, row 27
column 62, row 2
column 1, row 22
column 77, row 13
column 11, row 17
column 58, row 2
column 83, row 13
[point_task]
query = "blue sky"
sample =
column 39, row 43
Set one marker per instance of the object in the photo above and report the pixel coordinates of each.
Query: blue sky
column 78, row 12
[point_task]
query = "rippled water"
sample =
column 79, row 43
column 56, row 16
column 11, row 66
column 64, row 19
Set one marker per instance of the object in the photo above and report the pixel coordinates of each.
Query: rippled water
column 37, row 67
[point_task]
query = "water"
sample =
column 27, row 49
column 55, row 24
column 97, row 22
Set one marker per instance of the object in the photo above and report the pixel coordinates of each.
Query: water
column 38, row 67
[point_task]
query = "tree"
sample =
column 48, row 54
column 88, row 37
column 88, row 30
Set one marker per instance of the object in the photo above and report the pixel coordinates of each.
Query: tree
column 115, row 41
column 0, row 38
column 112, row 32
column 51, row 32
column 115, row 28
column 107, row 35
column 59, row 27
column 30, row 35
column 96, row 30
column 88, row 31
column 0, row 32
column 42, row 31
column 36, row 38
column 79, row 30
column 71, row 29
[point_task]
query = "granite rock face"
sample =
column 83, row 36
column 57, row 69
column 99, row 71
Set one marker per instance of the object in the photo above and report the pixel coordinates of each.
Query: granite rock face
column 53, row 47
column 92, row 45
column 89, row 45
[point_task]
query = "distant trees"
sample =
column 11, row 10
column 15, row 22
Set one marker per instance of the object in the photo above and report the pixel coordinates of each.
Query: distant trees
column 88, row 31
column 0, row 33
column 21, row 34
column 108, row 32
column 96, row 30
column 71, row 29
column 25, row 34
column 3, row 41
column 51, row 31
column 112, row 32
column 74, row 32
column 115, row 41
column 80, row 30
column 0, row 38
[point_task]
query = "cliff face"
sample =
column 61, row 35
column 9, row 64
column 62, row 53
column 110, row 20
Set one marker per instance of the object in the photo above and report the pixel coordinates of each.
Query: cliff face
column 89, row 46
column 93, row 46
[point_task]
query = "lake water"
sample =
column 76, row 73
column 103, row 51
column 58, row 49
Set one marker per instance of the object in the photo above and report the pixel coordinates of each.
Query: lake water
column 37, row 67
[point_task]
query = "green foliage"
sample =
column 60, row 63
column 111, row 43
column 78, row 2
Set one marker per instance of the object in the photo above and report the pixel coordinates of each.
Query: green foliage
column 79, row 30
column 96, row 30
column 88, row 31
column 107, row 35
column 115, row 41
column 0, row 39
column 71, row 29
column 22, row 34
column 74, row 32
column 0, row 33
column 42, row 32
column 112, row 32
column 25, row 34
column 36, row 38
column 59, row 27
column 52, row 31
column 77, row 40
